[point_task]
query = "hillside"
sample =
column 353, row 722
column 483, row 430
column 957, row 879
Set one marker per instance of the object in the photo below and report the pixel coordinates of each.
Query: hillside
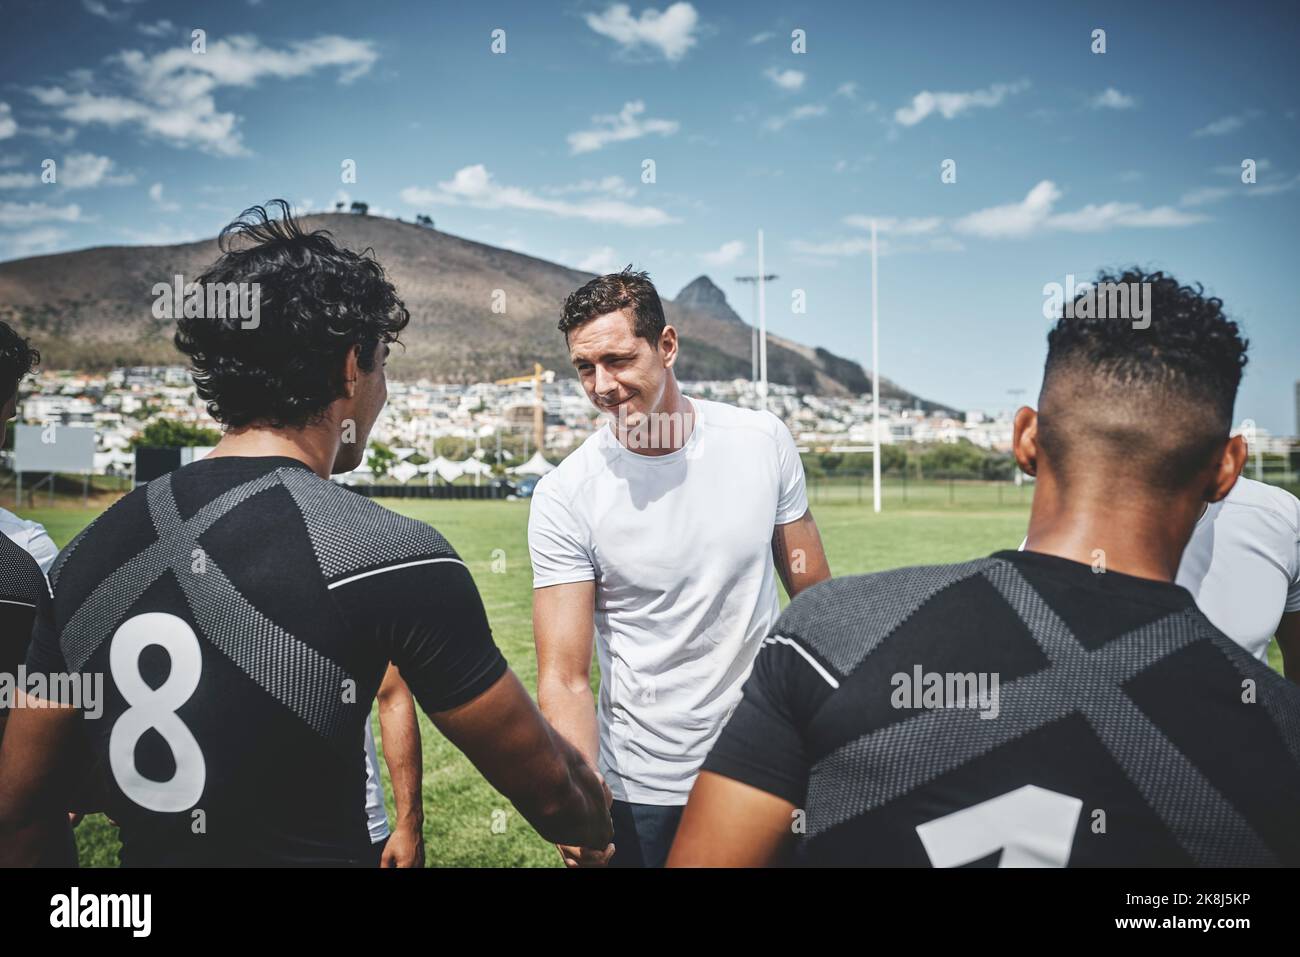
column 91, row 309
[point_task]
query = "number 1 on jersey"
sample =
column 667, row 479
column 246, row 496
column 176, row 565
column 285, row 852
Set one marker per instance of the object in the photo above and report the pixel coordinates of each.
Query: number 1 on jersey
column 1032, row 826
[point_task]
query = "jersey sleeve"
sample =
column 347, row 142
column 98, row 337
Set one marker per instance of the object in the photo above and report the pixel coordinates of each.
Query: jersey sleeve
column 41, row 547
column 44, row 654
column 431, row 618
column 557, row 542
column 763, row 743
column 793, row 499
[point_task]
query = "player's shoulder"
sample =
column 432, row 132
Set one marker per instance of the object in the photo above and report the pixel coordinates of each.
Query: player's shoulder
column 576, row 469
column 842, row 620
column 351, row 534
column 722, row 415
column 20, row 575
column 1261, row 501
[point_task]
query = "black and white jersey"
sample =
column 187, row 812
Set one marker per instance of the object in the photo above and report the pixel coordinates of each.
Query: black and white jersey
column 242, row 612
column 21, row 588
column 1017, row 710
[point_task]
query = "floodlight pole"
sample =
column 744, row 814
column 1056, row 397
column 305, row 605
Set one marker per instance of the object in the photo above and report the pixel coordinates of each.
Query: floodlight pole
column 875, row 376
column 762, row 328
column 753, row 346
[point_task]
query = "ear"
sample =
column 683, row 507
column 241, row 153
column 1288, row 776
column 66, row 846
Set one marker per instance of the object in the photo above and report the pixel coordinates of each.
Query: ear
column 1024, row 441
column 1225, row 475
column 668, row 346
column 351, row 370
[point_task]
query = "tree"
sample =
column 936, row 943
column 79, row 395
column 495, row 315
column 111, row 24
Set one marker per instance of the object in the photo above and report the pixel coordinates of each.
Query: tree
column 382, row 458
column 338, row 207
column 170, row 434
column 424, row 220
column 361, row 209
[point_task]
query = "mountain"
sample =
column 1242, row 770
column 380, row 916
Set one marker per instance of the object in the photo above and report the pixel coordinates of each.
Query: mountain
column 703, row 296
column 92, row 309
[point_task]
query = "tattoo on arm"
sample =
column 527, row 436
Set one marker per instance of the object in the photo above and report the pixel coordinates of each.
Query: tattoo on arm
column 781, row 558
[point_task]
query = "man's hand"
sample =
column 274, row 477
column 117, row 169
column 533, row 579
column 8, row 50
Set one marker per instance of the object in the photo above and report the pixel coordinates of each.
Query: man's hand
column 587, row 856
column 405, row 848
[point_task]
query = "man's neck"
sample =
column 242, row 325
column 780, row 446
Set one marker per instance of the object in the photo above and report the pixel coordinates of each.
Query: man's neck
column 1109, row 531
column 665, row 430
column 314, row 447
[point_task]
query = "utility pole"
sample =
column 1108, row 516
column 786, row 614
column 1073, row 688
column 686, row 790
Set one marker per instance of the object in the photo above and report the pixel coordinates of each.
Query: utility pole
column 753, row 350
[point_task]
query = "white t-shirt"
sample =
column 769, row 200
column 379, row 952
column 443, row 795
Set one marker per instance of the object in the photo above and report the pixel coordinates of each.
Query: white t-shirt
column 679, row 546
column 376, row 816
column 1242, row 564
column 31, row 537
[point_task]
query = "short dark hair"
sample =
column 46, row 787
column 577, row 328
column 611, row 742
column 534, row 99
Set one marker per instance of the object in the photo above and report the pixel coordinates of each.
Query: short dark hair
column 1156, row 396
column 317, row 301
column 612, row 292
column 17, row 358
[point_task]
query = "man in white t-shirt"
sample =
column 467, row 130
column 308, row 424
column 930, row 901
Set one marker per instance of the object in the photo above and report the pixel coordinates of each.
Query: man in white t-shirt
column 31, row 537
column 661, row 537
column 1242, row 566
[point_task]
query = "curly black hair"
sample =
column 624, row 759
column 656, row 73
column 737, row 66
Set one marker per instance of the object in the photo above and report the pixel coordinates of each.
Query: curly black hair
column 1158, row 384
column 17, row 358
column 317, row 301
column 612, row 292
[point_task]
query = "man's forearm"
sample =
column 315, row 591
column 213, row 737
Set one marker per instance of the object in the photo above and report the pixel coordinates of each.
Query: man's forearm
column 571, row 710
column 399, row 730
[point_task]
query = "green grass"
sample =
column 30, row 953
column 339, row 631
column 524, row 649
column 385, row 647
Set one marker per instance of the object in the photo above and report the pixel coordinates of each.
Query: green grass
column 459, row 805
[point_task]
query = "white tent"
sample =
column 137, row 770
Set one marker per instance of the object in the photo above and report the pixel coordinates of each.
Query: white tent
column 404, row 472
column 450, row 471
column 537, row 465
column 472, row 466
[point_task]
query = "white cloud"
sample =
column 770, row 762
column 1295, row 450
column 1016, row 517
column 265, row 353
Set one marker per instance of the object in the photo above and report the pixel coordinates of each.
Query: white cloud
column 777, row 123
column 87, row 170
column 848, row 90
column 1112, row 99
column 834, row 248
column 49, row 133
column 908, row 226
column 949, row 105
column 725, row 254
column 627, row 124
column 671, row 33
column 160, row 29
column 18, row 180
column 761, row 37
column 156, row 194
column 1225, row 125
column 31, row 241
column 786, row 79
column 611, row 185
column 24, row 214
column 1035, row 214
column 8, row 125
column 600, row 261
column 474, row 186
column 170, row 95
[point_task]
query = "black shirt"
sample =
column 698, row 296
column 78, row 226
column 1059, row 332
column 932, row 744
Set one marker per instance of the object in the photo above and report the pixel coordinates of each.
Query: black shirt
column 1018, row 709
column 21, row 588
column 242, row 612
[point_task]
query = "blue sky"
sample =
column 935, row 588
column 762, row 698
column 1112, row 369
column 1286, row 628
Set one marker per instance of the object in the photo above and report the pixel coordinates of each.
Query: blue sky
column 1066, row 160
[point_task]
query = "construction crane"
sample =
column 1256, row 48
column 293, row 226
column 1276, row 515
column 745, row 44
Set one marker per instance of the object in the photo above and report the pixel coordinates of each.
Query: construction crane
column 539, row 375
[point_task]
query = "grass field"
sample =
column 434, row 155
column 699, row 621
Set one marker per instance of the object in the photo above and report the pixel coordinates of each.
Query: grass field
column 938, row 523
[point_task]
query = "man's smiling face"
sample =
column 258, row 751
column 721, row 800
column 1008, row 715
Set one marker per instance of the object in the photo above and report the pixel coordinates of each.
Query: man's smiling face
column 621, row 372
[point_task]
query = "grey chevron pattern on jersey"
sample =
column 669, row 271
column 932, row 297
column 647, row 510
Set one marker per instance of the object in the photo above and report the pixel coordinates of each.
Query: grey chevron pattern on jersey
column 872, row 617
column 292, row 672
column 350, row 533
column 882, row 765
